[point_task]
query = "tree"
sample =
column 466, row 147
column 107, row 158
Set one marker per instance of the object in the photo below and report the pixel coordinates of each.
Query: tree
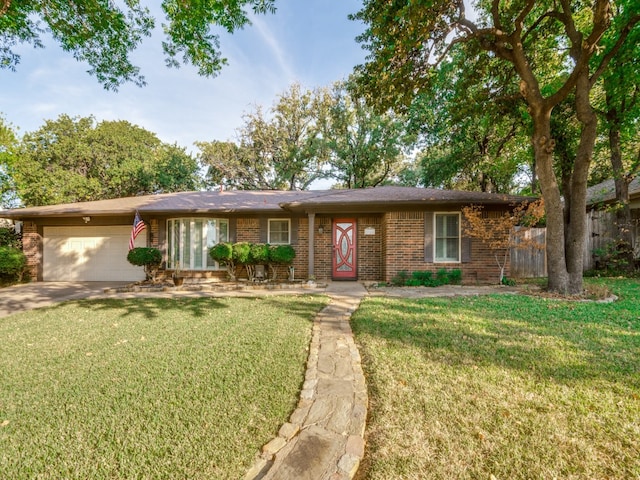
column 621, row 115
column 473, row 132
column 75, row 159
column 501, row 234
column 407, row 38
column 105, row 33
column 8, row 142
column 364, row 147
column 278, row 151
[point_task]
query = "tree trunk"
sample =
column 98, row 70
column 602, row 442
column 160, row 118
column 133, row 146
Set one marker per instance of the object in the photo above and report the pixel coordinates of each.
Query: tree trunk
column 543, row 149
column 621, row 180
column 577, row 202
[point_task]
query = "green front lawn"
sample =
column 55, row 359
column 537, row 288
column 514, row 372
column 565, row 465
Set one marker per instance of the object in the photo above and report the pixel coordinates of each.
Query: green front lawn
column 504, row 387
column 149, row 388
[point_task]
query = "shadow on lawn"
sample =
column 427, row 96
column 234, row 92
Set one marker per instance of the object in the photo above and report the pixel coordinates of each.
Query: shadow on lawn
column 151, row 307
column 556, row 340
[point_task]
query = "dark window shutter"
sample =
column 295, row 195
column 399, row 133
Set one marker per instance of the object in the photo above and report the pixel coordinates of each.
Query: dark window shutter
column 264, row 229
column 466, row 249
column 294, row 231
column 428, row 237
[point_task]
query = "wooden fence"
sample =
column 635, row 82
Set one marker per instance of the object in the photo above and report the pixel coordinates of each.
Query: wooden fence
column 530, row 262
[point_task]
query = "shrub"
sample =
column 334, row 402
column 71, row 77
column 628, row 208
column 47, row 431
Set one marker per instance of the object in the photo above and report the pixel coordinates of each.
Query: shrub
column 13, row 263
column 10, row 238
column 455, row 276
column 426, row 278
column 259, row 253
column 242, row 253
column 400, row 278
column 281, row 254
column 222, row 252
column 148, row 257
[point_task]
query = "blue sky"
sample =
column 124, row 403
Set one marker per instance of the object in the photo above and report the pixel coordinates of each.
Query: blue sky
column 308, row 41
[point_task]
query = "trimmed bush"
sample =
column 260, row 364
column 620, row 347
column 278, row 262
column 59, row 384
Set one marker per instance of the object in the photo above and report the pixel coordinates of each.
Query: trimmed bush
column 282, row 254
column 259, row 253
column 148, row 257
column 10, row 238
column 13, row 263
column 242, row 253
column 223, row 254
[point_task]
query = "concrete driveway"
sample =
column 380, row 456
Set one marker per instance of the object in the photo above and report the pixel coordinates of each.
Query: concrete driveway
column 41, row 294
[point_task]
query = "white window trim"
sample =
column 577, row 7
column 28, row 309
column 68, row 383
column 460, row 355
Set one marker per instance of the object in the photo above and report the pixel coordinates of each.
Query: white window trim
column 435, row 237
column 205, row 250
column 288, row 220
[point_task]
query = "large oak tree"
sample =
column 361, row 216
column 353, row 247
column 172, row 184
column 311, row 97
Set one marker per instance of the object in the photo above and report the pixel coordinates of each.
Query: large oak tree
column 407, row 38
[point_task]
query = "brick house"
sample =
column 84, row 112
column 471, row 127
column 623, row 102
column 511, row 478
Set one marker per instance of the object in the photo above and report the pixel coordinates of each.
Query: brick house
column 365, row 234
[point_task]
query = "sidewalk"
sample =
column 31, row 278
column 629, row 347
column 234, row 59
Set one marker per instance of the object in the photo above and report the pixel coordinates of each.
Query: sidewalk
column 323, row 439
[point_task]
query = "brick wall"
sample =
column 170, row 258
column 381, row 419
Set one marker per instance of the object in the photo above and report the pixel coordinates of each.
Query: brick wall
column 32, row 248
column 403, row 245
column 154, row 233
column 369, row 248
column 248, row 230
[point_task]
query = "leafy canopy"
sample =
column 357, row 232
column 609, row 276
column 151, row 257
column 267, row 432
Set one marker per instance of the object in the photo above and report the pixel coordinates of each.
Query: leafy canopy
column 105, row 33
column 76, row 159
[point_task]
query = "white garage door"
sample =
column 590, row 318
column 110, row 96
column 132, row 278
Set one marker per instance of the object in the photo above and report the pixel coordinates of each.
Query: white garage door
column 90, row 254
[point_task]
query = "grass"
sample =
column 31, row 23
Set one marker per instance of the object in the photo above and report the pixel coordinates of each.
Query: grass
column 149, row 388
column 504, row 387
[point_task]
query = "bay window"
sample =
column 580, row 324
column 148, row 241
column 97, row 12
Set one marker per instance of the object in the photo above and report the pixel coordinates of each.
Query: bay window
column 189, row 241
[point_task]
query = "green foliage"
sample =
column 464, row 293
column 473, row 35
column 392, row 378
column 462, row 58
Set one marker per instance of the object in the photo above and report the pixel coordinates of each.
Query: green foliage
column 364, row 146
column 86, row 161
column 222, row 252
column 281, row 149
column 104, row 34
column 242, row 253
column 283, row 254
column 400, row 278
column 12, row 263
column 427, row 278
column 144, row 256
column 260, row 253
column 510, row 282
column 10, row 238
column 613, row 258
column 148, row 257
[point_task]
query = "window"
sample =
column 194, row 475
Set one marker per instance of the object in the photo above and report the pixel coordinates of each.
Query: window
column 447, row 245
column 279, row 231
column 189, row 241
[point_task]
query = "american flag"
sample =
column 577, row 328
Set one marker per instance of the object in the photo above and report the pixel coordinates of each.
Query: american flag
column 138, row 226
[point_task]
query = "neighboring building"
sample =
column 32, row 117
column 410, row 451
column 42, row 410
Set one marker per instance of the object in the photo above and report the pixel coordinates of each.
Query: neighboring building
column 601, row 220
column 364, row 234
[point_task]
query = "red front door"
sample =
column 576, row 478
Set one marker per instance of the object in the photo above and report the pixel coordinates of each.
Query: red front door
column 344, row 249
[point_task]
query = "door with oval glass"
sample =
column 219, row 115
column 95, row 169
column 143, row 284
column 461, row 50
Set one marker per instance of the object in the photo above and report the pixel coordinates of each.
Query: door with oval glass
column 344, row 249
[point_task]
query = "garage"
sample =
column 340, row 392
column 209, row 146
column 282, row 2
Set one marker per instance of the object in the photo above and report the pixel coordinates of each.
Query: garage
column 90, row 254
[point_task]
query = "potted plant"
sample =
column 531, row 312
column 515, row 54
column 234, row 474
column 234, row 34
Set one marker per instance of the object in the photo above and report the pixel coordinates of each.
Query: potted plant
column 176, row 276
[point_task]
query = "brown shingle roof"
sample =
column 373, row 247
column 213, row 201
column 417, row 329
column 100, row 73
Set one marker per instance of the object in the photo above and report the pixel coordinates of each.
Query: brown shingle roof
column 265, row 201
column 606, row 191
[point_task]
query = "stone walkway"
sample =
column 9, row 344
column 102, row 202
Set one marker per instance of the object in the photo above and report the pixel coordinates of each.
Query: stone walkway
column 324, row 438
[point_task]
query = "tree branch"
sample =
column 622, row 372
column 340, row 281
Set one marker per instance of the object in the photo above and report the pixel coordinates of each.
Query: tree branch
column 495, row 14
column 5, row 7
column 612, row 53
column 519, row 23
